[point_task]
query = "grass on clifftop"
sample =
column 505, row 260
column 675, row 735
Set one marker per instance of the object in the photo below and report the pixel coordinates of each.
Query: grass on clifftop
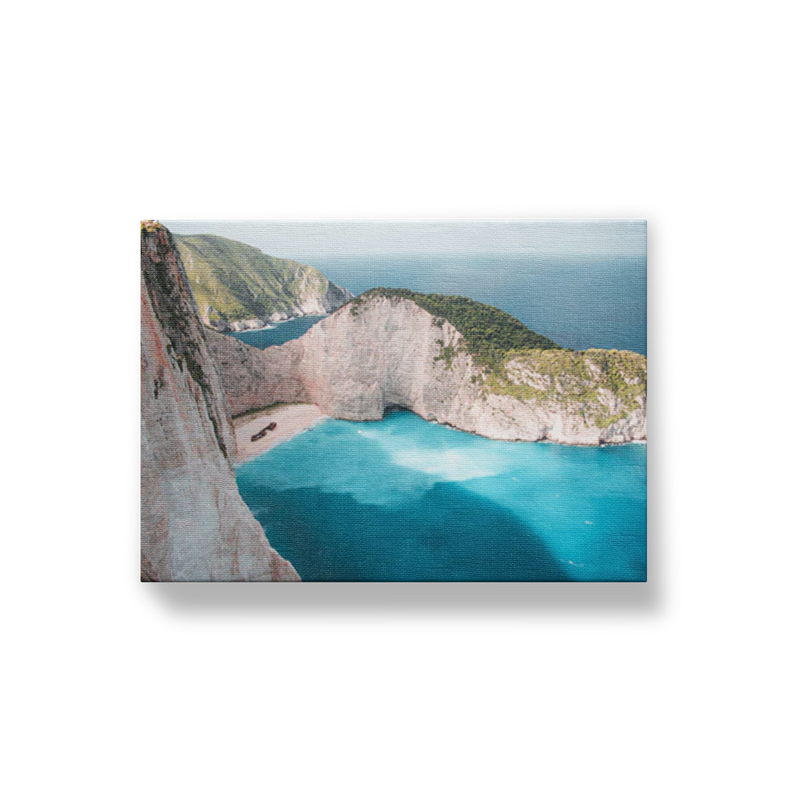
column 489, row 332
column 237, row 281
column 604, row 386
column 584, row 380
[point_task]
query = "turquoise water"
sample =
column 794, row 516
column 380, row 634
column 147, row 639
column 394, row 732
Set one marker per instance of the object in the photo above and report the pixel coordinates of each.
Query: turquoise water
column 405, row 499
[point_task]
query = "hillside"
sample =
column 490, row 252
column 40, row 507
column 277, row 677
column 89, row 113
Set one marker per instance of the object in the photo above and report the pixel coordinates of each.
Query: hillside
column 386, row 349
column 195, row 525
column 489, row 333
column 237, row 287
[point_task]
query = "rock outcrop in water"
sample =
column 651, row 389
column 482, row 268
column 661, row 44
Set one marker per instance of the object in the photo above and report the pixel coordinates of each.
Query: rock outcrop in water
column 383, row 351
column 195, row 526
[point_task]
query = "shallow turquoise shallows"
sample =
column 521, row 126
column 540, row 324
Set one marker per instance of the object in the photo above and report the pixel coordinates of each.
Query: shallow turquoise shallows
column 405, row 499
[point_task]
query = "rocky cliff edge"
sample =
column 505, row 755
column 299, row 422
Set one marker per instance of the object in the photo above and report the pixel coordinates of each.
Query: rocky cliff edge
column 381, row 352
column 195, row 526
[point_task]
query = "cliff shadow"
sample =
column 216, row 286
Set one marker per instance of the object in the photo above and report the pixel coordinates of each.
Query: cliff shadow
column 445, row 533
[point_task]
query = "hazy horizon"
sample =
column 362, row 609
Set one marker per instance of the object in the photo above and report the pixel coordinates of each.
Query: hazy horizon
column 305, row 240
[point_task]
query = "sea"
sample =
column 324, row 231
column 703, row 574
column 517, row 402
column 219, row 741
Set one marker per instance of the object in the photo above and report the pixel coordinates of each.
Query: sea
column 403, row 499
column 278, row 333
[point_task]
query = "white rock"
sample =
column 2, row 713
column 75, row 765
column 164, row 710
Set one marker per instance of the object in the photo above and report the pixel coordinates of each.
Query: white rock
column 386, row 352
column 195, row 525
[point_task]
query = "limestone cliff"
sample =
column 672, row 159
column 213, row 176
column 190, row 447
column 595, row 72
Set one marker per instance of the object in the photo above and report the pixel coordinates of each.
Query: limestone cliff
column 237, row 287
column 195, row 526
column 383, row 351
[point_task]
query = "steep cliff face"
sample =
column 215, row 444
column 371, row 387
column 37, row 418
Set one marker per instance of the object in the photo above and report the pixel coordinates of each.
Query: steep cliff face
column 387, row 351
column 195, row 526
column 237, row 287
column 255, row 378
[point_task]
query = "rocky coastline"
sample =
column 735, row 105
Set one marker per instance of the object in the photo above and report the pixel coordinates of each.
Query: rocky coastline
column 388, row 352
column 260, row 324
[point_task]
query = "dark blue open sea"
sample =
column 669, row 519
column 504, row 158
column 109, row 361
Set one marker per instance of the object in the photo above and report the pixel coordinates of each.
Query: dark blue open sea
column 578, row 301
column 405, row 499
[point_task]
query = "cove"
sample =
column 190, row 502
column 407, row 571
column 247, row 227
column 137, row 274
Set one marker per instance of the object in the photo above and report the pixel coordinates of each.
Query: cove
column 403, row 499
column 280, row 333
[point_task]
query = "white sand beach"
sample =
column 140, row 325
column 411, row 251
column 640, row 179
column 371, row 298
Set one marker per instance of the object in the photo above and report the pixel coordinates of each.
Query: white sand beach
column 290, row 420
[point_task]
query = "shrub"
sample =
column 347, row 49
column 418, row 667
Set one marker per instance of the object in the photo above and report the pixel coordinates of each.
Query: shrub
column 489, row 333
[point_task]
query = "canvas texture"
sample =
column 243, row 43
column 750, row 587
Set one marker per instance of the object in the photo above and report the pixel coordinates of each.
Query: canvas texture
column 394, row 400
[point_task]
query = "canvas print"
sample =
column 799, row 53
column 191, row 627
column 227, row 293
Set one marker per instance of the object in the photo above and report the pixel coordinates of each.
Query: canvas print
column 400, row 400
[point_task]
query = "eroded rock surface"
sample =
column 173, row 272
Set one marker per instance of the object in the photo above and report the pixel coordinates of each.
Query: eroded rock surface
column 195, row 526
column 387, row 351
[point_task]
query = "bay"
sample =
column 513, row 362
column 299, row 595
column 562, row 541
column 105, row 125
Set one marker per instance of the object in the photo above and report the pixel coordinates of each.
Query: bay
column 578, row 301
column 405, row 499
column 281, row 333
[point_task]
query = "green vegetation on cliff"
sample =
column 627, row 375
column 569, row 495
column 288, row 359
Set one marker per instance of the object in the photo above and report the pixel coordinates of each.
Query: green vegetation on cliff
column 234, row 281
column 604, row 386
column 489, row 332
column 150, row 225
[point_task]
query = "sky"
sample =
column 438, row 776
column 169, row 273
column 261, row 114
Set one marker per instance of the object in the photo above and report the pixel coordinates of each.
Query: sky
column 305, row 240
